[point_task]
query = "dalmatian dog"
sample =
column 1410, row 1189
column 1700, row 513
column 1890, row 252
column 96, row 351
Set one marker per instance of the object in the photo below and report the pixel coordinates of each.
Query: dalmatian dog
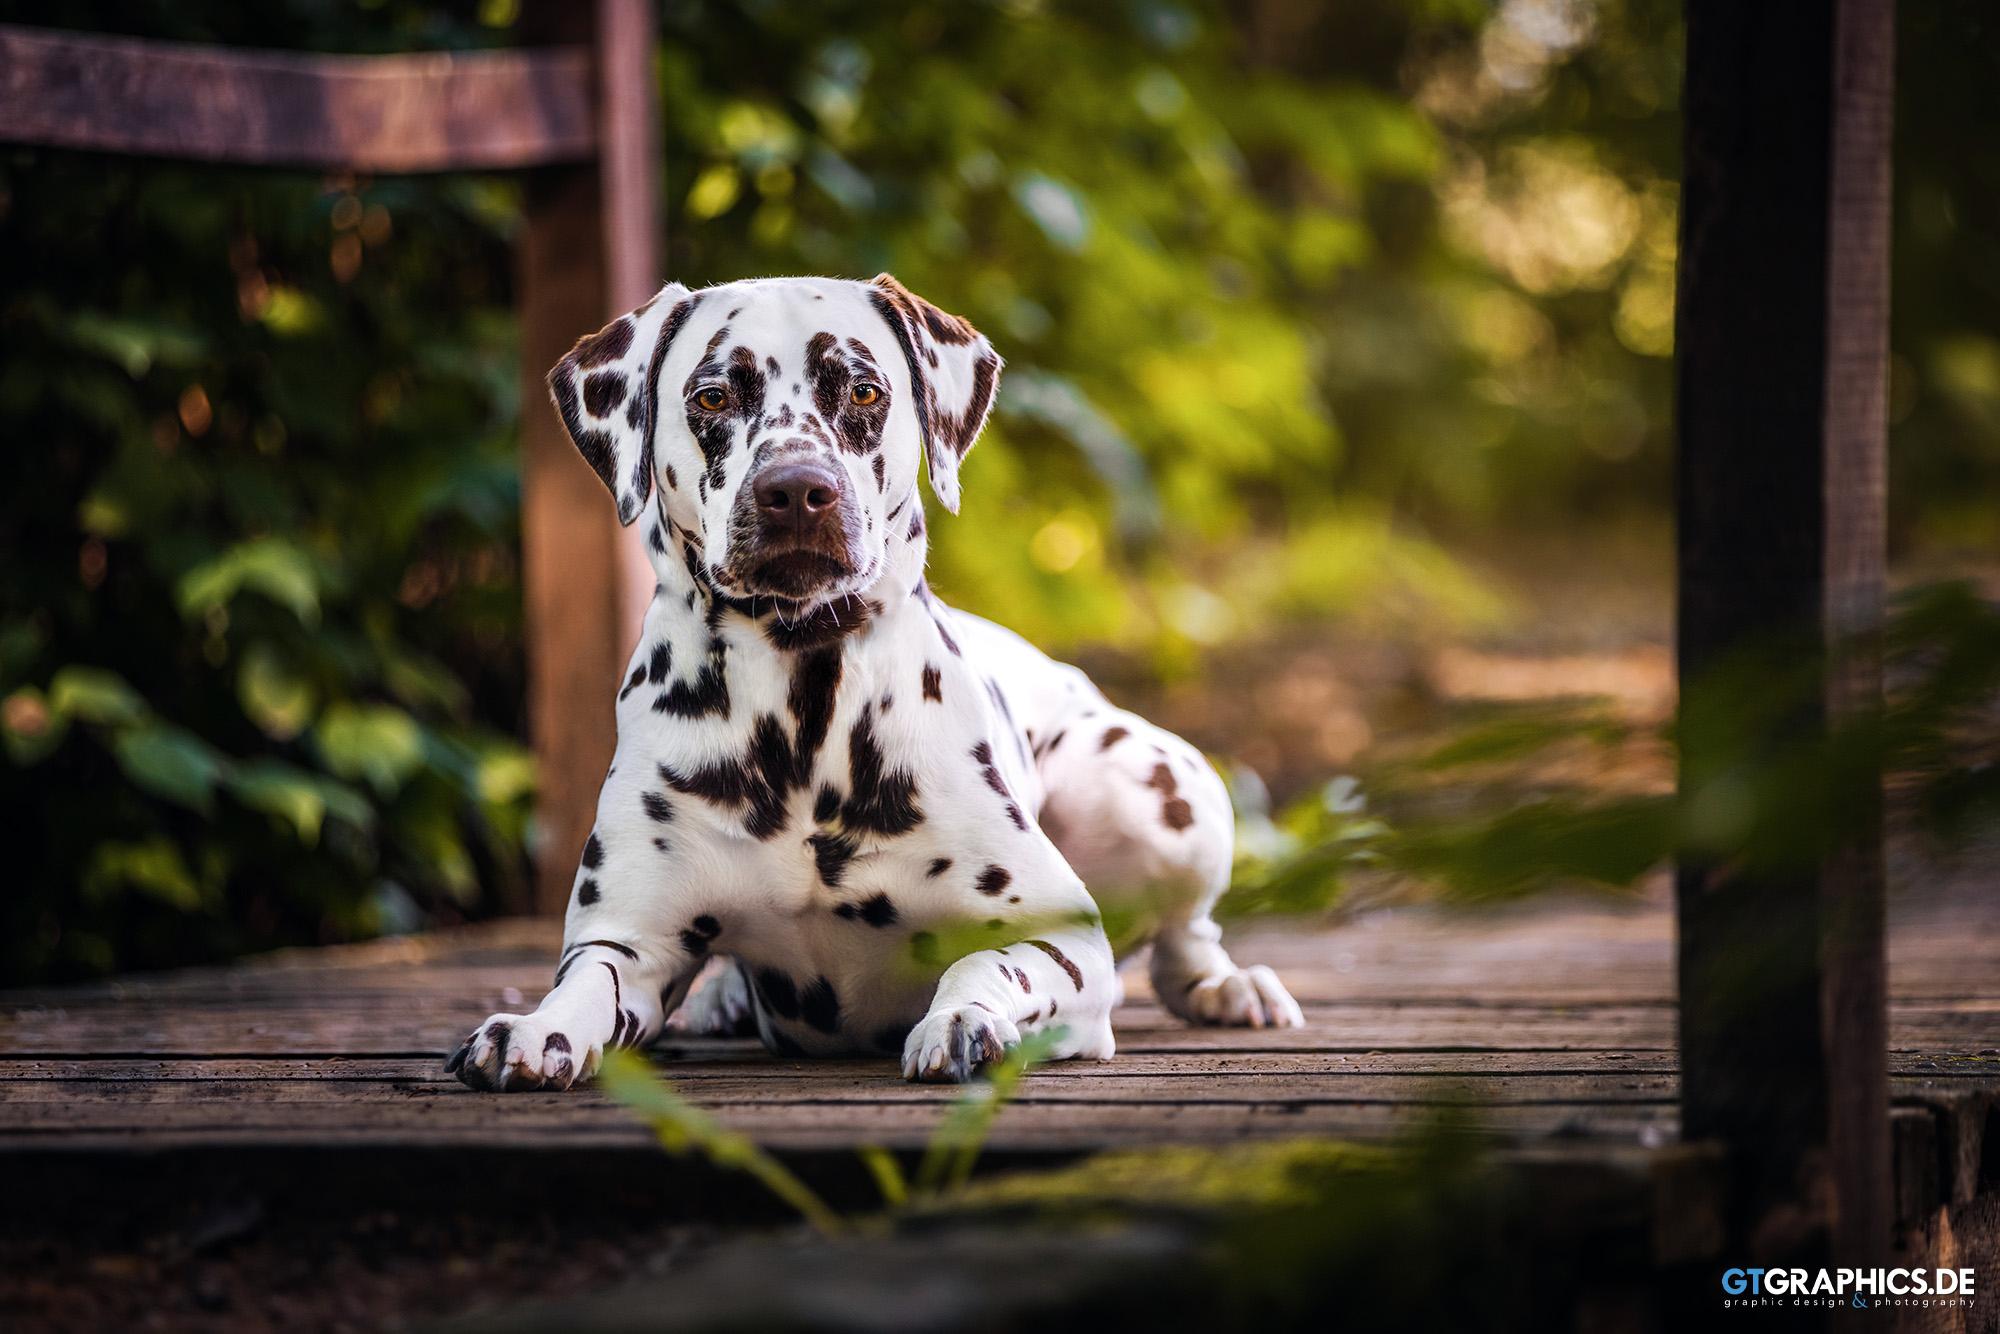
column 841, row 814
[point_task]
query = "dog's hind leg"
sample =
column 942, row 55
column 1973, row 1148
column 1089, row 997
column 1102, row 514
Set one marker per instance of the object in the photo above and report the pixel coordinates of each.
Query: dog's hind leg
column 721, row 1003
column 1146, row 821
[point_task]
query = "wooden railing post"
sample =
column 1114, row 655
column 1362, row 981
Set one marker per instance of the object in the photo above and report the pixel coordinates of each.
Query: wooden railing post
column 1782, row 352
column 589, row 250
column 629, row 135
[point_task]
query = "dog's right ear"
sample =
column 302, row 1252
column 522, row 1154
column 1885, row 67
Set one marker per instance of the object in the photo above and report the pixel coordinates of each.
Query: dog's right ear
column 607, row 390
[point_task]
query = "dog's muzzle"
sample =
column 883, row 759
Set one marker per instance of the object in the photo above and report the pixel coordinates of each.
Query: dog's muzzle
column 798, row 540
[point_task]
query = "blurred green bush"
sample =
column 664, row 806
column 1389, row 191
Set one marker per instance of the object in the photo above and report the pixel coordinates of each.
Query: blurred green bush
column 1293, row 296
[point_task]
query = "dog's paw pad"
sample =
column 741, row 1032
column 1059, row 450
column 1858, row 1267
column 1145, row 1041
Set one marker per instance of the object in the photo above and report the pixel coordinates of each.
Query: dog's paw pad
column 1250, row 997
column 950, row 1046
column 510, row 1053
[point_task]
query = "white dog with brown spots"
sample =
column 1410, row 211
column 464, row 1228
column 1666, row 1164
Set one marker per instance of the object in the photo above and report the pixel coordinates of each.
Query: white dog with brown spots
column 840, row 812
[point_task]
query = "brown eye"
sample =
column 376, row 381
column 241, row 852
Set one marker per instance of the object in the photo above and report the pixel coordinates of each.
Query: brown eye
column 865, row 393
column 711, row 399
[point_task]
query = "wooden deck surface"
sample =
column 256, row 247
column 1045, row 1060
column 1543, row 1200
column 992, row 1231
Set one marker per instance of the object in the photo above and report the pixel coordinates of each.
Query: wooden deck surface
column 1550, row 1021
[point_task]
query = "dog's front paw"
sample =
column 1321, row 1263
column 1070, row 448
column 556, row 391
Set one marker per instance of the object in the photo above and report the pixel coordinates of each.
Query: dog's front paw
column 511, row 1052
column 1250, row 997
column 949, row 1045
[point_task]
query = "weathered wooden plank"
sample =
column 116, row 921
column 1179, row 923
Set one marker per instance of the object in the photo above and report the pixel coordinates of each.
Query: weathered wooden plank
column 1939, row 952
column 475, row 988
column 252, row 1031
column 862, row 1081
column 445, row 111
column 1919, row 1072
column 566, row 1122
column 1929, row 1031
column 731, row 1059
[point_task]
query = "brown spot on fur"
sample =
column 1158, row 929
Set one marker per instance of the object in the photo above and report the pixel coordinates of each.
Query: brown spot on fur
column 1112, row 736
column 1175, row 813
column 946, row 328
column 1063, row 961
column 611, row 342
column 603, row 392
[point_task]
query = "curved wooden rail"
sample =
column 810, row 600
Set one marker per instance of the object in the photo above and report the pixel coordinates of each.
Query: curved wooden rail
column 444, row 111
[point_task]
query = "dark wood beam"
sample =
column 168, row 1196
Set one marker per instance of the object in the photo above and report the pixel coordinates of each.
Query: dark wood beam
column 446, row 111
column 1781, row 336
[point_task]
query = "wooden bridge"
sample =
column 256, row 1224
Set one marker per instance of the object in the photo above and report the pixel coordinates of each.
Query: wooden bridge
column 312, row 1081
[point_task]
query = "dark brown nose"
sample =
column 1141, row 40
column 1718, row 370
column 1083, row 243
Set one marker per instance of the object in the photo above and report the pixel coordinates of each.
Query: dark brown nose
column 798, row 494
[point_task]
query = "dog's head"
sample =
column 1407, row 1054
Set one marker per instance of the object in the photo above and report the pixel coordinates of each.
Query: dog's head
column 781, row 420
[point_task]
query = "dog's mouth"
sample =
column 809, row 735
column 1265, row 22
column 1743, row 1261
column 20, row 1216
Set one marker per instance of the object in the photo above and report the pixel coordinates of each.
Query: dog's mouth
column 797, row 574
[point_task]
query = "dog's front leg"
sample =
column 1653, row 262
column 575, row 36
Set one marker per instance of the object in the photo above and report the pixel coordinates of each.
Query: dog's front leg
column 608, row 993
column 1063, row 979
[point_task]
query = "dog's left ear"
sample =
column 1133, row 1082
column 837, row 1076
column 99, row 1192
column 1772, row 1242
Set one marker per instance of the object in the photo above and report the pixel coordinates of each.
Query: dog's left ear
column 953, row 371
column 606, row 391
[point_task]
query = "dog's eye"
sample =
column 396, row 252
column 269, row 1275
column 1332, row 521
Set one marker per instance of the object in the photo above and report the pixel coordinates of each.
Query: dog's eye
column 711, row 399
column 865, row 393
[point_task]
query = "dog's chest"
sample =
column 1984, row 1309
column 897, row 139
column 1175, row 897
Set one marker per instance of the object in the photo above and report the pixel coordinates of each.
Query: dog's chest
column 811, row 763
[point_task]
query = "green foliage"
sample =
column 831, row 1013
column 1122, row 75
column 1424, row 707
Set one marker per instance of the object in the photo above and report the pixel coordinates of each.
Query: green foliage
column 1181, row 245
column 1299, row 864
column 259, row 642
column 686, row 1128
column 946, row 1166
column 1290, row 296
column 1763, row 793
column 955, row 1146
column 1305, row 1233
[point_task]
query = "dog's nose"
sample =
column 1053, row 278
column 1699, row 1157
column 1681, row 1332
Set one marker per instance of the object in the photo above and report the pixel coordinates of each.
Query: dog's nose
column 796, row 494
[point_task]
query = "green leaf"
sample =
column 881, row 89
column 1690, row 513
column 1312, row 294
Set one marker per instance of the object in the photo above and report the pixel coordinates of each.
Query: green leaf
column 506, row 774
column 134, row 344
column 93, row 695
column 290, row 313
column 267, row 565
column 277, row 699
column 278, row 789
column 955, row 1145
column 171, row 762
column 430, row 829
column 375, row 743
column 345, row 804
column 154, row 867
column 682, row 1127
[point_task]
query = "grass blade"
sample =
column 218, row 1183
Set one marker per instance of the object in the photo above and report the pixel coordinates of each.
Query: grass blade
column 955, row 1146
column 684, row 1128
column 888, row 1174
